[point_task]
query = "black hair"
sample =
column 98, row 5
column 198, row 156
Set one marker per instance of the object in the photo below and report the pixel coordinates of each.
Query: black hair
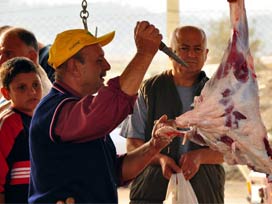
column 12, row 67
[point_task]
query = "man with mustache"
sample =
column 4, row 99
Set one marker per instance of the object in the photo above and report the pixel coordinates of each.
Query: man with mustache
column 71, row 152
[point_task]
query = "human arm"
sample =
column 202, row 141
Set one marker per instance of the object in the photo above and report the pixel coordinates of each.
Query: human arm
column 9, row 130
column 135, row 127
column 167, row 164
column 121, row 97
column 137, row 159
column 147, row 40
column 134, row 131
column 3, row 173
column 2, row 198
column 191, row 161
column 93, row 117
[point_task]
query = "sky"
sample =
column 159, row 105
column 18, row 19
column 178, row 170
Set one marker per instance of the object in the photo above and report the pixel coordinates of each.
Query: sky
column 160, row 5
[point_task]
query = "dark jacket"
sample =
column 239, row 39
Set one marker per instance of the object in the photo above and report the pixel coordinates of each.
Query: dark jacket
column 161, row 97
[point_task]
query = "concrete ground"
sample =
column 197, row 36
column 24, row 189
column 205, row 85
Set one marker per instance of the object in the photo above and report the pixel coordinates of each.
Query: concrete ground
column 235, row 193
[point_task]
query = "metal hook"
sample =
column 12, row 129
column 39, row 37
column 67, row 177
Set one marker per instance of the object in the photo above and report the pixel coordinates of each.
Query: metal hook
column 84, row 14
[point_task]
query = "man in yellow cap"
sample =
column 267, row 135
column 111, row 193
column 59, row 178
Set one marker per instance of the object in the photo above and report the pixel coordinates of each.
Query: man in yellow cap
column 71, row 152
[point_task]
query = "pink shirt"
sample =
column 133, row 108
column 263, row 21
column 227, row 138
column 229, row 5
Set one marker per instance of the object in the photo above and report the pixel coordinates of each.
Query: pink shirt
column 93, row 117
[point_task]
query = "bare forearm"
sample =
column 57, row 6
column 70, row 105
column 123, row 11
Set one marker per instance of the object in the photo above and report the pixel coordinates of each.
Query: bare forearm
column 133, row 144
column 156, row 159
column 133, row 75
column 2, row 198
column 147, row 40
column 137, row 160
column 209, row 156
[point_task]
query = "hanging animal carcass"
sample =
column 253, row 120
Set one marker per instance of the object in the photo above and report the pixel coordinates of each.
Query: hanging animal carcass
column 226, row 115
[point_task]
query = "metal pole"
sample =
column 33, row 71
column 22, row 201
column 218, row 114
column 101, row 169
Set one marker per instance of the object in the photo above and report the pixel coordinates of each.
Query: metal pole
column 172, row 16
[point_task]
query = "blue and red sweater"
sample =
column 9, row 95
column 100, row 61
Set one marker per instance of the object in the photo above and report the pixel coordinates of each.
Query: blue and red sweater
column 14, row 155
column 88, row 170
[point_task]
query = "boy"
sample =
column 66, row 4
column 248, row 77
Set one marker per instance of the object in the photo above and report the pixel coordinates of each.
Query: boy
column 22, row 86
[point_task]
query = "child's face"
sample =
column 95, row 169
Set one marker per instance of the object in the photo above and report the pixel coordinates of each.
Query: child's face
column 25, row 92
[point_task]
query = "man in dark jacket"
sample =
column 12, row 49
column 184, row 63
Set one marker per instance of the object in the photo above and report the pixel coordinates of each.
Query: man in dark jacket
column 172, row 93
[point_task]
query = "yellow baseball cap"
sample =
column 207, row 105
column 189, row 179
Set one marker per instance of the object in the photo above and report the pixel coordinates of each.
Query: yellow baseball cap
column 69, row 42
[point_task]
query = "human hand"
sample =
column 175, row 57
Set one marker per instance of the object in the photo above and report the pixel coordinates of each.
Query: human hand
column 147, row 38
column 163, row 132
column 190, row 163
column 168, row 166
column 69, row 200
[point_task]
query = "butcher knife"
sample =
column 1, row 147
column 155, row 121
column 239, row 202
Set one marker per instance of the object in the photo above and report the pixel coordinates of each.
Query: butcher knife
column 171, row 54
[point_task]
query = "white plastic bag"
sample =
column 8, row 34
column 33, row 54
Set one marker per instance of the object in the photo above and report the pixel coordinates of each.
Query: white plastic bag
column 180, row 191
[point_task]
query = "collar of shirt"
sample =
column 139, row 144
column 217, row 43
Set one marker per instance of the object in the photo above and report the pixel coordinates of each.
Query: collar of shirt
column 64, row 88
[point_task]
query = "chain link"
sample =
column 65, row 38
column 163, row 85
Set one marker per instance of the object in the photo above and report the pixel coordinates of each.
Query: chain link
column 84, row 14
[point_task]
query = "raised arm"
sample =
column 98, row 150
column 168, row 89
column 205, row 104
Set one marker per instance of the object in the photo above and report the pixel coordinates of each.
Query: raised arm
column 147, row 40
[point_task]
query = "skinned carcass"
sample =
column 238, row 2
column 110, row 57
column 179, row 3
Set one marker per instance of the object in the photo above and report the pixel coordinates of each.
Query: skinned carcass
column 226, row 115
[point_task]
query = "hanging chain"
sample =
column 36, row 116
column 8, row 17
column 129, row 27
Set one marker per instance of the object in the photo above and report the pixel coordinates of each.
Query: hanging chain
column 84, row 14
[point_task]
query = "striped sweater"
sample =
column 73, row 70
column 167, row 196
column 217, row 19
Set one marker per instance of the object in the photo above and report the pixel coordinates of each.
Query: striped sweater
column 14, row 155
